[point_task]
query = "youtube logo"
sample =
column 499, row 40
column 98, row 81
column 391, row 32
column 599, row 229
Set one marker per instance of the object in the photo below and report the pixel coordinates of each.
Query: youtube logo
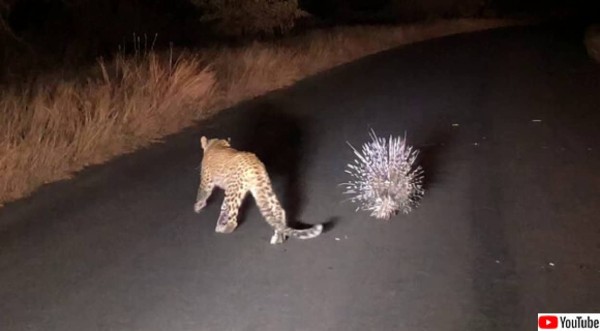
column 570, row 321
column 548, row 322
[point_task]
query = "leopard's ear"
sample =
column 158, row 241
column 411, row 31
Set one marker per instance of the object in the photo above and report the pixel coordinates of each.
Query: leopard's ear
column 229, row 139
column 203, row 142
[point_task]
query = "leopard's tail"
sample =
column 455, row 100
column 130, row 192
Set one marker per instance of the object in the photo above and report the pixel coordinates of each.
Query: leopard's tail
column 271, row 209
column 309, row 233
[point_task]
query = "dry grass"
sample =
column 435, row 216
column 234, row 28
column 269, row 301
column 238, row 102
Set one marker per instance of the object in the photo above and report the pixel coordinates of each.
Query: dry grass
column 49, row 130
column 262, row 67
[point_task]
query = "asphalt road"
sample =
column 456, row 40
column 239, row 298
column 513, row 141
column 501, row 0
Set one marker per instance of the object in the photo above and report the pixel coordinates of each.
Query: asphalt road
column 509, row 225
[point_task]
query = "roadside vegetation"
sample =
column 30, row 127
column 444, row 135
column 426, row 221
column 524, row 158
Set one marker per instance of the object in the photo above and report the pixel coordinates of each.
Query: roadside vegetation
column 54, row 122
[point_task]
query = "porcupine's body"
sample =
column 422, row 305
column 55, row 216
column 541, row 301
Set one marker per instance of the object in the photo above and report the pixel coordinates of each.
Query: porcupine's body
column 238, row 173
column 385, row 179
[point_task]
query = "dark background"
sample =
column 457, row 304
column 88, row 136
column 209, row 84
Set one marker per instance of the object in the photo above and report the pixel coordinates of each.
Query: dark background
column 80, row 30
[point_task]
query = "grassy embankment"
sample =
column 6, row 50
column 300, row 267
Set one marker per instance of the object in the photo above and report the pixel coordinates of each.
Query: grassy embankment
column 54, row 126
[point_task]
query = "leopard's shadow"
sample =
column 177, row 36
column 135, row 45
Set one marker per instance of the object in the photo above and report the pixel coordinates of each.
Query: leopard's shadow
column 278, row 138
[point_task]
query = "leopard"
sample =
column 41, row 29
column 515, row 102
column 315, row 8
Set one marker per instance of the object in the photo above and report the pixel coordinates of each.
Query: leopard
column 239, row 173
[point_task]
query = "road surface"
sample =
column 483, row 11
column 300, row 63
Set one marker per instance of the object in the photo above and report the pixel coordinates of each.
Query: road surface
column 508, row 125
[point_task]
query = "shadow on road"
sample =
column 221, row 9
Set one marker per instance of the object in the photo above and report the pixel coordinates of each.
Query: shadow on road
column 431, row 157
column 278, row 138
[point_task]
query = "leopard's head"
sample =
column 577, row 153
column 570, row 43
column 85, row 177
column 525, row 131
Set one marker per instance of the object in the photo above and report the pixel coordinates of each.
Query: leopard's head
column 214, row 142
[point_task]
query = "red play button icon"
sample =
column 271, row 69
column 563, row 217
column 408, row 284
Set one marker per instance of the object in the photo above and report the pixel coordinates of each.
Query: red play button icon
column 548, row 322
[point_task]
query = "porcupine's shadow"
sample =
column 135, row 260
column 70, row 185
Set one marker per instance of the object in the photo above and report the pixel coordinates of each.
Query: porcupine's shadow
column 430, row 155
column 278, row 139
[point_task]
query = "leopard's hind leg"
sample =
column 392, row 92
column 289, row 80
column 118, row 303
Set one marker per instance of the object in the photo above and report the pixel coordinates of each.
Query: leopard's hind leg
column 271, row 210
column 278, row 237
column 227, row 221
